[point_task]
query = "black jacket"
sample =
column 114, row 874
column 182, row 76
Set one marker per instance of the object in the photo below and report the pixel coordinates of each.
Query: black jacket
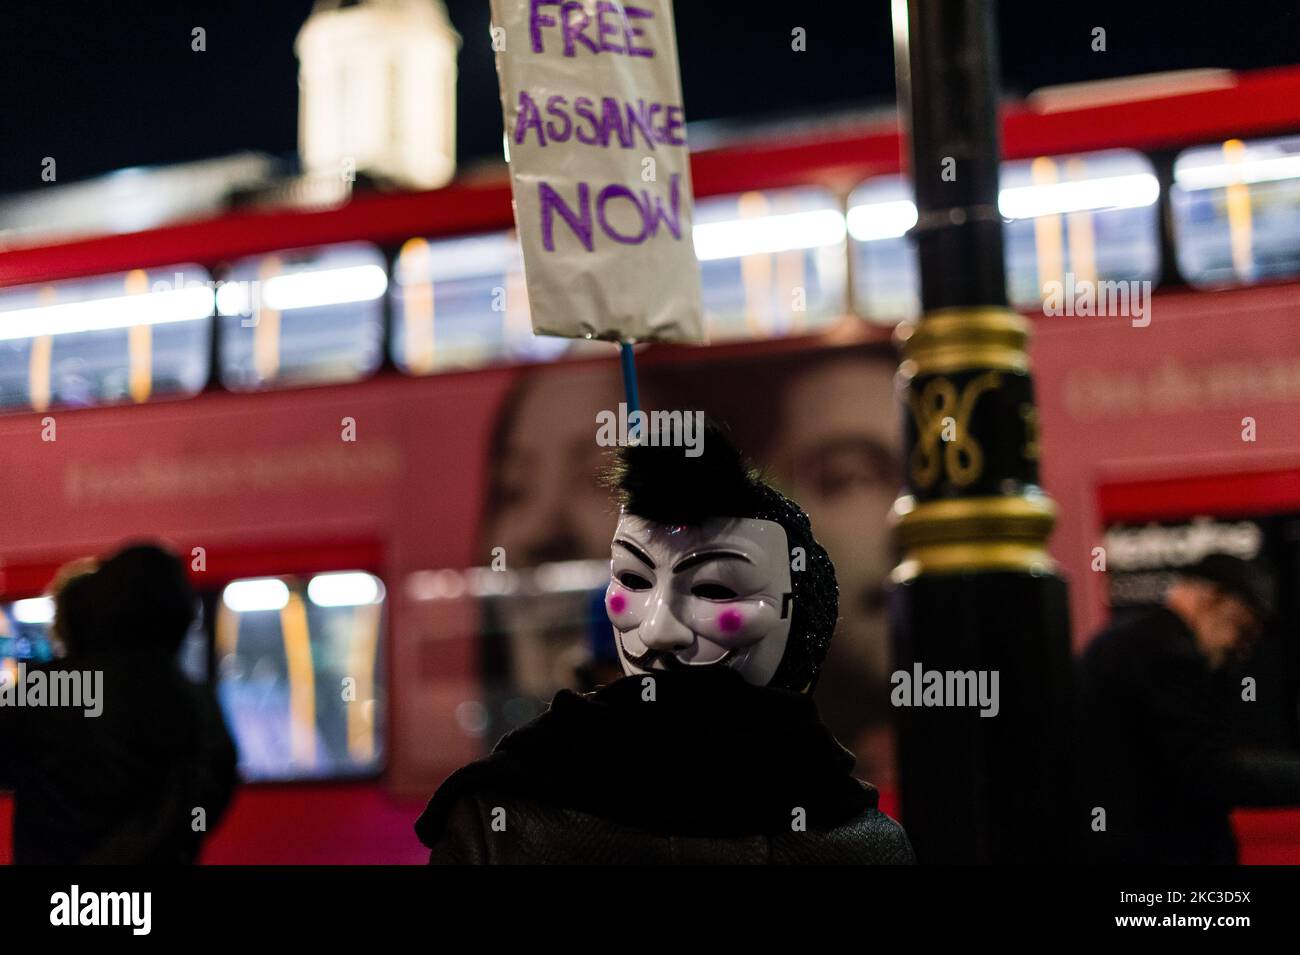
column 1156, row 749
column 711, row 770
column 123, row 787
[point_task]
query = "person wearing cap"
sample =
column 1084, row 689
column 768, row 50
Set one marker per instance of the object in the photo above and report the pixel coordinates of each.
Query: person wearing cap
column 1160, row 773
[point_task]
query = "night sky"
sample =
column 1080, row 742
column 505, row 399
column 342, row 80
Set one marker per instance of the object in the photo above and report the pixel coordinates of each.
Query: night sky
column 104, row 85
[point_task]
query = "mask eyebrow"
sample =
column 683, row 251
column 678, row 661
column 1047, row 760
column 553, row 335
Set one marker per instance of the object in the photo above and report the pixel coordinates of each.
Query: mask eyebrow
column 635, row 551
column 691, row 560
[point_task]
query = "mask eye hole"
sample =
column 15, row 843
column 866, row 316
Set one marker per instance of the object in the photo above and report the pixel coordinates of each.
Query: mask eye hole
column 633, row 581
column 713, row 592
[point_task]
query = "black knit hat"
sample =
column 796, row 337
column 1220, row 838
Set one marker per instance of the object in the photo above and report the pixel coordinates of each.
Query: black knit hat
column 1249, row 582
column 664, row 485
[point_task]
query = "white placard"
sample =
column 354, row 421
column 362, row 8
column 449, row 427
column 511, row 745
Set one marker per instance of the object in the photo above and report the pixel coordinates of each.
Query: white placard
column 596, row 138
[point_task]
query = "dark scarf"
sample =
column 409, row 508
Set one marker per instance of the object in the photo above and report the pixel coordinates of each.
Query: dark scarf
column 711, row 756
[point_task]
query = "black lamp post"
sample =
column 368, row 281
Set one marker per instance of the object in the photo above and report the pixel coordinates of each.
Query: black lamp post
column 977, row 596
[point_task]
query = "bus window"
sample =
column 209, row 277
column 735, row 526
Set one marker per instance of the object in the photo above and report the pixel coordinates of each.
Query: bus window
column 25, row 634
column 886, row 285
column 299, row 674
column 302, row 317
column 1078, row 220
column 1069, row 220
column 25, row 638
column 125, row 337
column 1236, row 211
column 462, row 303
column 771, row 263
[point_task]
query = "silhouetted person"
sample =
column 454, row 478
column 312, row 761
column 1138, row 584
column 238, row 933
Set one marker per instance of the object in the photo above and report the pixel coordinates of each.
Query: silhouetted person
column 133, row 763
column 1157, row 753
column 73, row 606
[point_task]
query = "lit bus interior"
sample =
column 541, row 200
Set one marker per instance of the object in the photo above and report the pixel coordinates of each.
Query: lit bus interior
column 312, row 316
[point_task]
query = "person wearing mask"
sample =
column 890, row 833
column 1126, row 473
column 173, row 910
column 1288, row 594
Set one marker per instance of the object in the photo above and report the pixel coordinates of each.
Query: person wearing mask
column 710, row 749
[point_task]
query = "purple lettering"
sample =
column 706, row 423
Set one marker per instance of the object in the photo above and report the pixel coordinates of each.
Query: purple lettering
column 558, row 136
column 582, row 106
column 615, row 191
column 551, row 203
column 651, row 213
column 574, row 20
column 528, row 118
column 603, row 28
column 638, row 118
column 675, row 122
column 612, row 119
column 660, row 136
column 654, row 209
column 612, row 122
column 630, row 32
column 573, row 27
column 537, row 20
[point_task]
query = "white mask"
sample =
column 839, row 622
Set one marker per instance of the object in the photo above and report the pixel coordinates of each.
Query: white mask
column 717, row 594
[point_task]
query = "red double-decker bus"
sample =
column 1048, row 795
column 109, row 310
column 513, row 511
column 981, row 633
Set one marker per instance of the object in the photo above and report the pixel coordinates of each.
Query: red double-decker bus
column 341, row 419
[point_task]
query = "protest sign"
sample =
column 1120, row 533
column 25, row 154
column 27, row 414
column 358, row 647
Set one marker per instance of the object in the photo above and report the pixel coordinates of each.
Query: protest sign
column 596, row 140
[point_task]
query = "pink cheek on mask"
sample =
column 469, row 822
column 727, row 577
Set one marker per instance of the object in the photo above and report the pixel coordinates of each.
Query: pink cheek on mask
column 729, row 621
column 617, row 603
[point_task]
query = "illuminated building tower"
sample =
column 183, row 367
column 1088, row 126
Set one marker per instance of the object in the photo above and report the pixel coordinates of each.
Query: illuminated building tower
column 378, row 92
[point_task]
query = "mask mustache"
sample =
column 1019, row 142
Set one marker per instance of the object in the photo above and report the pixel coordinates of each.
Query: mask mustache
column 658, row 660
column 668, row 661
